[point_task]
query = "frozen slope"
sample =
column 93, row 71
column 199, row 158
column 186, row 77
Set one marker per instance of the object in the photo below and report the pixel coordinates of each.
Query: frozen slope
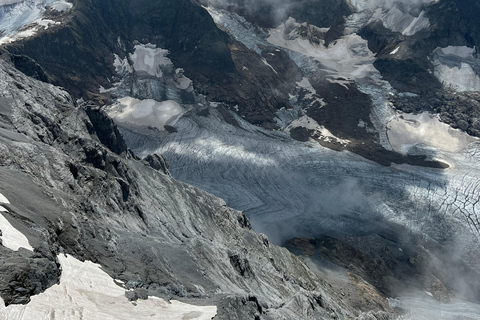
column 87, row 292
column 24, row 18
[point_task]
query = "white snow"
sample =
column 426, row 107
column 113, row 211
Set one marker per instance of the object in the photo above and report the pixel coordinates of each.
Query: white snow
column 407, row 130
column 417, row 24
column 460, row 79
column 22, row 19
column 61, row 6
column 310, row 123
column 148, row 58
column 363, row 5
column 6, row 2
column 87, row 292
column 268, row 65
column 395, row 50
column 458, row 51
column 348, row 57
column 181, row 82
column 420, row 306
column 3, row 199
column 305, row 84
column 453, row 67
column 11, row 237
column 144, row 113
column 122, row 66
column 398, row 21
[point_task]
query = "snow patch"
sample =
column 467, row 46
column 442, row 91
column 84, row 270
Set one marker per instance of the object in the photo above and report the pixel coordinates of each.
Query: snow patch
column 11, row 237
column 347, row 58
column 395, row 50
column 23, row 19
column 61, row 6
column 454, row 67
column 320, row 131
column 87, row 292
column 408, row 130
column 365, row 5
column 6, row 2
column 458, row 51
column 422, row 306
column 144, row 113
column 462, row 78
column 398, row 21
column 148, row 58
column 182, row 82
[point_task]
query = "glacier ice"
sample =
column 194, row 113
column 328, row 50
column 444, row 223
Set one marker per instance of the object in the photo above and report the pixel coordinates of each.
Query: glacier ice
column 23, row 19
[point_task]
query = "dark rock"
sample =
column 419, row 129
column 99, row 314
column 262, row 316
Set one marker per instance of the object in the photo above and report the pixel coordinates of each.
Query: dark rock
column 242, row 266
column 158, row 162
column 105, row 129
column 170, row 129
column 25, row 273
column 301, row 133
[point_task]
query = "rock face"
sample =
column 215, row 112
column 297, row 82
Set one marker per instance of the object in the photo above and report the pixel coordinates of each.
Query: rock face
column 161, row 237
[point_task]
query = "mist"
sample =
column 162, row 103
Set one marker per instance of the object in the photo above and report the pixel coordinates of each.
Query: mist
column 322, row 13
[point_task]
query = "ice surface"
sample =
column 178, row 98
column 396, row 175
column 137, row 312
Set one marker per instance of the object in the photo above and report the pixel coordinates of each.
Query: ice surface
column 26, row 16
column 423, row 307
column 182, row 82
column 347, row 58
column 11, row 237
column 362, row 5
column 462, row 78
column 289, row 189
column 458, row 51
column 86, row 292
column 241, row 29
column 407, row 130
column 144, row 113
column 5, row 2
column 148, row 58
column 456, row 68
column 60, row 6
column 398, row 21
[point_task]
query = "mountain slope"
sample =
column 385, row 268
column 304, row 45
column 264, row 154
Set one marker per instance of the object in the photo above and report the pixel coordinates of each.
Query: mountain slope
column 159, row 236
